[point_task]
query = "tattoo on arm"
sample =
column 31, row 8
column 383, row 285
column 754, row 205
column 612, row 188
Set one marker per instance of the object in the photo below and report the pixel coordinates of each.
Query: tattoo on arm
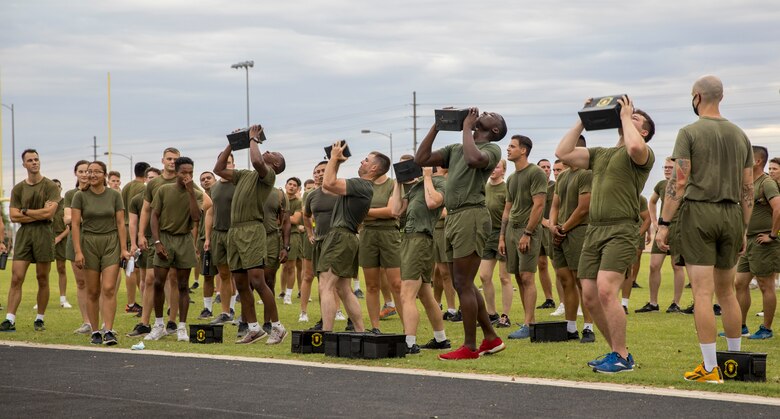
column 747, row 194
column 504, row 222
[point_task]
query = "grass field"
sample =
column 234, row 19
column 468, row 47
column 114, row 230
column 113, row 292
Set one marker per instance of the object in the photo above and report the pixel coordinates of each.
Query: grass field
column 664, row 345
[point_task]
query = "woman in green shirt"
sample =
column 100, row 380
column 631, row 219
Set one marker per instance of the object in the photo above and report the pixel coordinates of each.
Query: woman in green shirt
column 100, row 242
column 82, row 182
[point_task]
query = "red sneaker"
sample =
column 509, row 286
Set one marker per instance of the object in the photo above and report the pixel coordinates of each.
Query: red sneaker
column 490, row 347
column 461, row 353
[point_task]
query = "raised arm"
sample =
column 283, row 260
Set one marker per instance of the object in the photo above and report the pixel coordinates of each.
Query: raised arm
column 433, row 198
column 474, row 157
column 330, row 181
column 635, row 143
column 397, row 203
column 426, row 157
column 568, row 151
column 220, row 167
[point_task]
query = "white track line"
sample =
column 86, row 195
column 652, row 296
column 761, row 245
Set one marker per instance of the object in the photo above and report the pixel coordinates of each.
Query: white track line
column 620, row 388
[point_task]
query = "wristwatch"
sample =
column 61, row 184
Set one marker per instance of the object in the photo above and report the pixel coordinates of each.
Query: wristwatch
column 156, row 243
column 24, row 211
column 662, row 222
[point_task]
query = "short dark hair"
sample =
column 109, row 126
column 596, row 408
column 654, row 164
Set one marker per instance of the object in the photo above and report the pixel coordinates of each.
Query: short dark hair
column 57, row 181
column 183, row 160
column 207, row 171
column 524, row 142
column 383, row 162
column 320, row 163
column 140, row 168
column 29, row 150
column 541, row 160
column 152, row 169
column 557, row 161
column 648, row 125
column 775, row 160
column 114, row 173
column 294, row 179
column 308, row 182
column 762, row 153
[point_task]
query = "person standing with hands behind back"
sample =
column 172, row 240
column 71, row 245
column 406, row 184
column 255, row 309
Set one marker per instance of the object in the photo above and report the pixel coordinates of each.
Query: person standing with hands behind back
column 100, row 242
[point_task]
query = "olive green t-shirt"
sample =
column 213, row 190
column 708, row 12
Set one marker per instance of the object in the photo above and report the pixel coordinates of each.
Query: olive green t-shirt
column 98, row 212
column 153, row 185
column 172, row 202
column 58, row 223
column 764, row 189
column 549, row 199
column 660, row 190
column 642, row 204
column 272, row 210
column 350, row 209
column 718, row 151
column 381, row 197
column 521, row 187
column 129, row 191
column 24, row 196
column 495, row 199
column 294, row 205
column 136, row 205
column 420, row 219
column 69, row 197
column 617, row 183
column 466, row 186
column 250, row 195
column 221, row 198
column 571, row 184
column 320, row 205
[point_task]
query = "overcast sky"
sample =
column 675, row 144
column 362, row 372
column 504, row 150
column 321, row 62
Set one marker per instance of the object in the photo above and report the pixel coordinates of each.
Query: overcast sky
column 326, row 70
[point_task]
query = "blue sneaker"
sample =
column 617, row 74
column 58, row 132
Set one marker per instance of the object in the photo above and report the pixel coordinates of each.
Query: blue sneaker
column 761, row 333
column 524, row 332
column 745, row 332
column 630, row 360
column 614, row 364
column 599, row 360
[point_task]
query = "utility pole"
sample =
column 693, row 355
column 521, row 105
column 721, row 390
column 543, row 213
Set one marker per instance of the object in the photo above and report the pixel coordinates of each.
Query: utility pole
column 414, row 121
column 94, row 148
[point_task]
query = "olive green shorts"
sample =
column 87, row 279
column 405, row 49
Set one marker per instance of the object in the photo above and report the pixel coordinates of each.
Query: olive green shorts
column 59, row 249
column 339, row 253
column 670, row 241
column 100, row 250
column 380, row 247
column 296, row 246
column 35, row 243
column 246, row 246
column 517, row 262
column 709, row 234
column 416, row 257
column 760, row 259
column 213, row 266
column 273, row 245
column 608, row 248
column 219, row 250
column 308, row 247
column 546, row 248
column 440, row 246
column 567, row 255
column 70, row 253
column 181, row 251
column 315, row 255
column 146, row 258
column 466, row 232
column 491, row 247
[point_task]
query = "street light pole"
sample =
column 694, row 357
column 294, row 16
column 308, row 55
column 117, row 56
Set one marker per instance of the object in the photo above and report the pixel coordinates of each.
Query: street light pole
column 390, row 136
column 13, row 145
column 246, row 65
column 111, row 153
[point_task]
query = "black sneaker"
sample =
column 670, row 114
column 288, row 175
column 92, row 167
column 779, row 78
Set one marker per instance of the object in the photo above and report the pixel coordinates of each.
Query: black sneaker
column 317, row 326
column 375, row 331
column 647, row 308
column 673, row 308
column 281, row 295
column 548, row 303
column 715, row 308
column 457, row 317
column 218, row 299
column 359, row 293
column 688, row 310
column 96, row 339
column 447, row 316
column 39, row 326
column 635, row 285
column 688, row 286
column 7, row 326
column 625, row 310
column 572, row 335
column 350, row 326
column 195, row 285
column 171, row 327
column 109, row 338
column 504, row 321
column 414, row 349
column 267, row 327
column 494, row 318
column 205, row 314
column 588, row 336
column 221, row 319
column 243, row 328
column 140, row 330
column 434, row 344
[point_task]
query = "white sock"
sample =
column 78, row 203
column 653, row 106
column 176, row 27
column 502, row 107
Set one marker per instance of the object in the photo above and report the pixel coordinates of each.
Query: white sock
column 218, row 294
column 233, row 302
column 63, row 299
column 410, row 340
column 182, row 325
column 440, row 336
column 356, row 284
column 734, row 344
column 208, row 303
column 254, row 326
column 11, row 318
column 159, row 320
column 624, row 301
column 390, row 304
column 39, row 317
column 277, row 324
column 571, row 326
column 451, row 310
column 708, row 351
column 588, row 326
column 288, row 292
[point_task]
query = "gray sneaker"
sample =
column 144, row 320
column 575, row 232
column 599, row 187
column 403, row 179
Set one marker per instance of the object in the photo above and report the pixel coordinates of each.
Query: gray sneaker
column 221, row 319
column 277, row 335
column 84, row 329
column 252, row 336
column 158, row 332
column 524, row 332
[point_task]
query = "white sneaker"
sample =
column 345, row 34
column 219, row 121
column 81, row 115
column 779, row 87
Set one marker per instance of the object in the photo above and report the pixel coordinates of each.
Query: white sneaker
column 35, row 307
column 158, row 331
column 760, row 314
column 753, row 284
column 303, row 318
column 65, row 305
column 287, row 299
column 579, row 311
column 260, row 302
column 277, row 335
column 560, row 311
column 181, row 334
column 84, row 329
column 340, row 316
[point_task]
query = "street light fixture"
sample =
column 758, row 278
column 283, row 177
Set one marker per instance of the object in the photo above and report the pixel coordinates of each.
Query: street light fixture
column 390, row 136
column 246, row 65
column 13, row 144
column 111, row 153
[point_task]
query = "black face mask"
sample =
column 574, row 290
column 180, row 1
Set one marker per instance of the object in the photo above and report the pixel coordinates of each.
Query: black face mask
column 694, row 106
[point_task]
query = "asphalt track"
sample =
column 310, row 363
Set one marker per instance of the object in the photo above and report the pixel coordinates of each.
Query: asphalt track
column 38, row 381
